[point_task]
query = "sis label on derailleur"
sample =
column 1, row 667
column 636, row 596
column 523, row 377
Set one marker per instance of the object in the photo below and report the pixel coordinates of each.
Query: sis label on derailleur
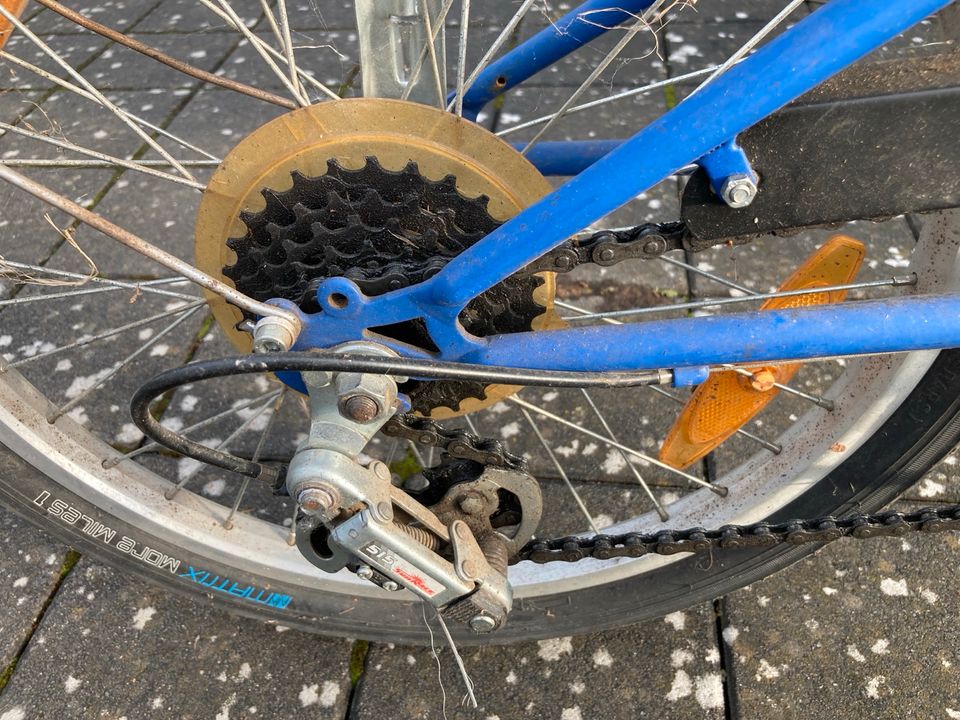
column 405, row 572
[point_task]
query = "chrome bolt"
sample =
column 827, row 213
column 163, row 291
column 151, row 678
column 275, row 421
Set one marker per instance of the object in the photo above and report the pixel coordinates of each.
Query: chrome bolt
column 390, row 585
column 359, row 408
column 321, row 499
column 273, row 334
column 738, row 190
column 385, row 510
column 481, row 624
column 364, row 572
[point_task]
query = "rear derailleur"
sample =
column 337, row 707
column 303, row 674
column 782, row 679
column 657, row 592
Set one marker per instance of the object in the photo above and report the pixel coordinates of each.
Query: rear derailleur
column 449, row 542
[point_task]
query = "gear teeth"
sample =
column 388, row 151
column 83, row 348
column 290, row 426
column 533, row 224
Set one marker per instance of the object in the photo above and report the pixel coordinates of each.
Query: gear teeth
column 368, row 222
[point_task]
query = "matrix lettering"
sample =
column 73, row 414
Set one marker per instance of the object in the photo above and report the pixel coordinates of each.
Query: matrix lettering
column 228, row 587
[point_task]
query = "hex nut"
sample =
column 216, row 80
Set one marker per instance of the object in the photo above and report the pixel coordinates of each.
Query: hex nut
column 320, row 499
column 738, row 190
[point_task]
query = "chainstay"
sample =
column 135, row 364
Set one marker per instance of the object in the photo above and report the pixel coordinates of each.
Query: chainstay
column 758, row 535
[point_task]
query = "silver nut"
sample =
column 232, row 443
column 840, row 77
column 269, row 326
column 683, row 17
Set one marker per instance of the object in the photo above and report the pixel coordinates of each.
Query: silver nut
column 364, row 572
column 273, row 334
column 738, row 191
column 390, row 585
column 359, row 408
column 481, row 624
column 321, row 499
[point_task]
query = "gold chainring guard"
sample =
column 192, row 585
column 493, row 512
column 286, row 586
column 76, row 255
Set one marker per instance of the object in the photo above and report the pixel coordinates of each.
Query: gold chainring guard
column 348, row 131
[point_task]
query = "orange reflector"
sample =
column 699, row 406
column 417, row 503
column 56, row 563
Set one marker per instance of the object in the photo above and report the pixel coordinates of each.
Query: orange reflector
column 727, row 400
column 6, row 27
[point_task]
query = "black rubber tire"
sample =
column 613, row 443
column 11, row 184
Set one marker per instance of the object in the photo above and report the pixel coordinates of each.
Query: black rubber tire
column 914, row 438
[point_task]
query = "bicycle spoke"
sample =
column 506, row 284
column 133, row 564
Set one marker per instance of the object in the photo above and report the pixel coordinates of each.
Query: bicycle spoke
column 149, row 447
column 504, row 35
column 462, row 55
column 47, row 297
column 560, row 470
column 636, row 473
column 257, row 42
column 642, row 23
column 722, row 491
column 138, row 244
column 603, row 101
column 749, row 44
column 709, row 275
column 258, row 450
column 772, row 447
column 63, row 409
column 815, row 399
column 429, row 48
column 434, row 64
column 288, row 48
column 101, row 164
column 57, row 58
column 118, row 162
column 161, row 57
column 83, row 93
column 171, row 492
column 257, row 45
column 894, row 281
column 107, row 334
column 149, row 286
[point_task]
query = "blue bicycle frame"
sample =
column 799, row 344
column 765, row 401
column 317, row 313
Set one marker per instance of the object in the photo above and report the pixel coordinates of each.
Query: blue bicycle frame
column 814, row 49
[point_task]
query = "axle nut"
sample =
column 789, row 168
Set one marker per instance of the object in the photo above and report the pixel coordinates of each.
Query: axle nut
column 315, row 500
column 359, row 408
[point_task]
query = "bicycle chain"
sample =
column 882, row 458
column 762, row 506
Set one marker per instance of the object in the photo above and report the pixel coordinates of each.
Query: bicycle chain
column 608, row 247
column 457, row 444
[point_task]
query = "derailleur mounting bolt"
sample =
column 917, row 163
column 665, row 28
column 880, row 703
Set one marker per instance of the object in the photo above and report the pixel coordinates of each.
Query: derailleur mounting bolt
column 273, row 334
column 482, row 624
column 390, row 585
column 738, row 190
column 364, row 572
column 359, row 408
column 320, row 499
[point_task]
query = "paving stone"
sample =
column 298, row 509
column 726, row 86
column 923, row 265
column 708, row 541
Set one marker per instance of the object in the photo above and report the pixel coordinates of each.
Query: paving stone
column 111, row 646
column 124, row 69
column 940, row 484
column 77, row 50
column 866, row 626
column 30, row 564
column 660, row 669
column 117, row 14
column 188, row 16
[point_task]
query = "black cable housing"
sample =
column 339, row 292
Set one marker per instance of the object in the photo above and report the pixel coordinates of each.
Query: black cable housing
column 336, row 362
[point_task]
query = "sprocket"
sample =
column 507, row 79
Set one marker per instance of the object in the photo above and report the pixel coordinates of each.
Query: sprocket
column 385, row 230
